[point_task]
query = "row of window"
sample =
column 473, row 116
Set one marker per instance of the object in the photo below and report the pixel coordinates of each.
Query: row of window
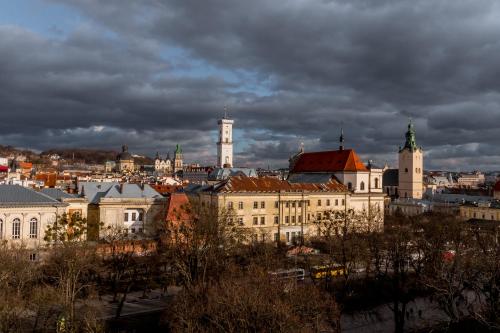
column 256, row 220
column 16, row 228
column 132, row 230
column 289, row 236
column 417, row 170
column 293, row 204
column 481, row 215
column 134, row 216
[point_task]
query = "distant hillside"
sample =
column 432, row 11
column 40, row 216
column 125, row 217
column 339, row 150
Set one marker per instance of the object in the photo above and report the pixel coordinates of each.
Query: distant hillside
column 9, row 150
column 90, row 156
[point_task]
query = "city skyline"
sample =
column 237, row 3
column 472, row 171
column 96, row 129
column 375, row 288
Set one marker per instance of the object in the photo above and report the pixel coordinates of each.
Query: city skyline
column 152, row 74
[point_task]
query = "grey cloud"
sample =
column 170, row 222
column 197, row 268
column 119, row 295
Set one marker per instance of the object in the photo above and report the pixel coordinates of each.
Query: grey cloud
column 299, row 69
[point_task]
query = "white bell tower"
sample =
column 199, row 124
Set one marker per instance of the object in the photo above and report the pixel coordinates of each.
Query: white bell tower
column 225, row 143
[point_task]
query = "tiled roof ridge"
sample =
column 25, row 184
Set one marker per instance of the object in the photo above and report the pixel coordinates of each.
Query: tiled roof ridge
column 270, row 184
column 329, row 161
column 47, row 196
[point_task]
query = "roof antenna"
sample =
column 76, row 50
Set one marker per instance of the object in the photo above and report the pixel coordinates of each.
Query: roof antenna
column 225, row 111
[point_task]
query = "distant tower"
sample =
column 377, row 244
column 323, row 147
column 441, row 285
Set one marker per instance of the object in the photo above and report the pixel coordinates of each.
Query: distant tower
column 225, row 143
column 410, row 167
column 178, row 159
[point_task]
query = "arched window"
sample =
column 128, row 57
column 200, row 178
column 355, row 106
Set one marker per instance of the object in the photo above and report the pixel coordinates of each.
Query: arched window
column 1, row 228
column 16, row 229
column 376, row 182
column 349, row 186
column 406, row 169
column 362, row 186
column 33, row 228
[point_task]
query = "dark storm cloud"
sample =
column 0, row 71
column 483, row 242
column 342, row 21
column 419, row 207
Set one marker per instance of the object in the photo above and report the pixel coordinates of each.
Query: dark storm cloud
column 297, row 70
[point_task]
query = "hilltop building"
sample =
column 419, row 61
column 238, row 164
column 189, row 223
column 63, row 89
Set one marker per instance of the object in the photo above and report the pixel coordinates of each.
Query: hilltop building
column 410, row 175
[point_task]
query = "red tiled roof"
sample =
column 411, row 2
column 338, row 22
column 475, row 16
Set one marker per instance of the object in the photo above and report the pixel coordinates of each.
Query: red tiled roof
column 167, row 188
column 48, row 178
column 177, row 208
column 25, row 165
column 272, row 184
column 329, row 161
column 496, row 188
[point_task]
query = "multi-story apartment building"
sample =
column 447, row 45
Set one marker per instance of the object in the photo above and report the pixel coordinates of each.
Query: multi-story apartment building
column 269, row 209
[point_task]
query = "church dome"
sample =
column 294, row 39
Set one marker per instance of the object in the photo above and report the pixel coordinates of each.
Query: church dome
column 124, row 155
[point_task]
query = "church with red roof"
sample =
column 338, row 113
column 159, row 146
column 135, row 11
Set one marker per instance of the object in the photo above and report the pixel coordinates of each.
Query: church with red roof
column 343, row 164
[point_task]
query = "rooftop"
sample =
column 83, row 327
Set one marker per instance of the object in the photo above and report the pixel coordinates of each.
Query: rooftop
column 329, row 161
column 94, row 191
column 271, row 184
column 15, row 195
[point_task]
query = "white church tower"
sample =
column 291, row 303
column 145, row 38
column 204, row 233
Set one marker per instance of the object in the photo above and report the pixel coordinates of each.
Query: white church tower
column 225, row 144
column 411, row 165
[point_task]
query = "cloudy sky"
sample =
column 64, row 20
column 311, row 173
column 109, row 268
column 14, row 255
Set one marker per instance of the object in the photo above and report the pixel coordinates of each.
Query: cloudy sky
column 153, row 73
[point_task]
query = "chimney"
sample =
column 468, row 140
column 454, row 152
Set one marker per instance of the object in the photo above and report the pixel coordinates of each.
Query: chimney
column 121, row 188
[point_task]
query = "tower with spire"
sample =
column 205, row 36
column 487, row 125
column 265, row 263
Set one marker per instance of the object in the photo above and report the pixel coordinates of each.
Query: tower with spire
column 178, row 159
column 225, row 143
column 411, row 167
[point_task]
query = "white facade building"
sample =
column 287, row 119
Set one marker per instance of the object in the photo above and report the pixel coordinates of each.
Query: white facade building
column 225, row 143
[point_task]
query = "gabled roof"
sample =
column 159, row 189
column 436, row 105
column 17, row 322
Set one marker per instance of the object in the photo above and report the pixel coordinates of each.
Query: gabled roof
column 329, row 161
column 271, row 184
column 15, row 195
column 57, row 194
column 94, row 191
column 177, row 210
column 224, row 173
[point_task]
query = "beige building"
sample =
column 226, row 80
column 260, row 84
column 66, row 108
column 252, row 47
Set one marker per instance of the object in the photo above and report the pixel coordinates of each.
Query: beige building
column 269, row 209
column 25, row 215
column 474, row 179
column 74, row 203
column 125, row 161
column 132, row 209
column 480, row 211
column 411, row 167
